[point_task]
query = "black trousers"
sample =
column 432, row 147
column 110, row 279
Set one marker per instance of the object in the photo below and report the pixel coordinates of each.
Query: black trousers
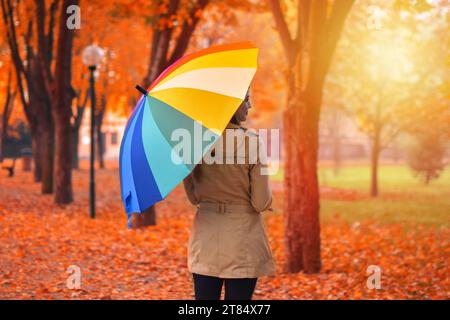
column 210, row 288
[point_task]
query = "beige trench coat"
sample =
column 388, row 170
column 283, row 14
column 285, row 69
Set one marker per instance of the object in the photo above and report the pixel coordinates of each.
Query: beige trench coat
column 228, row 237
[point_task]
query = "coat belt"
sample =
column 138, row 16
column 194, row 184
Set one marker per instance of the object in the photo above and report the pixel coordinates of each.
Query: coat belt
column 226, row 207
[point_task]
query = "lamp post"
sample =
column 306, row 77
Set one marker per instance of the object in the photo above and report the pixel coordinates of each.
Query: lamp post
column 92, row 56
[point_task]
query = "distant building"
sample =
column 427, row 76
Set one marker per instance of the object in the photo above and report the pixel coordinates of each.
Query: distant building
column 338, row 133
column 112, row 131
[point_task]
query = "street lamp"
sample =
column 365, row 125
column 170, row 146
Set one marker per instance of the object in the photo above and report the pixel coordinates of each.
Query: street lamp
column 92, row 56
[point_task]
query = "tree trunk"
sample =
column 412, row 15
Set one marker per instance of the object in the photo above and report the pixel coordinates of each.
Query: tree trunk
column 147, row 218
column 42, row 130
column 336, row 142
column 98, row 132
column 75, row 143
column 40, row 102
column 75, row 129
column 374, row 163
column 37, row 156
column 101, row 149
column 336, row 156
column 7, row 110
column 293, row 240
column 308, row 53
column 46, row 146
column 301, row 205
column 63, row 159
column 61, row 111
column 3, row 134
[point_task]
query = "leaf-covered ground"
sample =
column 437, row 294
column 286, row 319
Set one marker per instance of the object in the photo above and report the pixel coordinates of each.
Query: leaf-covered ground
column 40, row 240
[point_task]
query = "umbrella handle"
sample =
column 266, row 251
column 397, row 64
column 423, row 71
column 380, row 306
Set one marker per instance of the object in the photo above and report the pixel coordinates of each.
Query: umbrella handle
column 142, row 90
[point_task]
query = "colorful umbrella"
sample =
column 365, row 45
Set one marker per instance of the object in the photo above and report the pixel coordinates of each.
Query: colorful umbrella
column 202, row 89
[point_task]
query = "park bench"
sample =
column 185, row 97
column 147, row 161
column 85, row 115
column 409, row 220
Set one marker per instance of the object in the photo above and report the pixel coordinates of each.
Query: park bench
column 9, row 164
column 9, row 161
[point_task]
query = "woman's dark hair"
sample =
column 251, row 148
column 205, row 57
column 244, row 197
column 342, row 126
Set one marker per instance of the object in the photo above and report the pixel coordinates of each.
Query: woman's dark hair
column 234, row 120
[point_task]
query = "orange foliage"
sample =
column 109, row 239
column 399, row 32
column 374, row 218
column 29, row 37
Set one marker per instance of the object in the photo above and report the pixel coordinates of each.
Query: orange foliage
column 224, row 25
column 125, row 37
column 40, row 240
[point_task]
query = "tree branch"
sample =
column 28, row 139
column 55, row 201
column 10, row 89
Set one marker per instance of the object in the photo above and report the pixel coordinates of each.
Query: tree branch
column 303, row 7
column 187, row 31
column 11, row 33
column 13, row 46
column 160, row 42
column 42, row 53
column 50, row 34
column 283, row 31
column 40, row 26
column 335, row 24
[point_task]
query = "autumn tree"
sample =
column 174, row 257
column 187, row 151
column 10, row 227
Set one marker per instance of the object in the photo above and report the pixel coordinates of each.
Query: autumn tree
column 230, row 22
column 168, row 16
column 62, row 95
column 29, row 76
column 122, row 67
column 387, row 79
column 173, row 22
column 43, row 73
column 426, row 157
column 6, row 92
column 308, row 49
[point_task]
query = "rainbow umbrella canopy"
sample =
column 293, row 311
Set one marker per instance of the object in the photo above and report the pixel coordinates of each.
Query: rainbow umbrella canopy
column 198, row 94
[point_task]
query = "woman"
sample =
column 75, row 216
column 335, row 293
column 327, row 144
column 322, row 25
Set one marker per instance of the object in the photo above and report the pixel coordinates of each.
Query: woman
column 228, row 243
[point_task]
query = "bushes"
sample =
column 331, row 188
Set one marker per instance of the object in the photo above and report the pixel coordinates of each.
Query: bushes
column 426, row 157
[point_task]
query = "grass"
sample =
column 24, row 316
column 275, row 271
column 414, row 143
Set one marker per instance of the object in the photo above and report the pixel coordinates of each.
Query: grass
column 392, row 178
column 403, row 198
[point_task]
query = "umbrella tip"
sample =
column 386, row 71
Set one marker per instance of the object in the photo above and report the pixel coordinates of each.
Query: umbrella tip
column 142, row 90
